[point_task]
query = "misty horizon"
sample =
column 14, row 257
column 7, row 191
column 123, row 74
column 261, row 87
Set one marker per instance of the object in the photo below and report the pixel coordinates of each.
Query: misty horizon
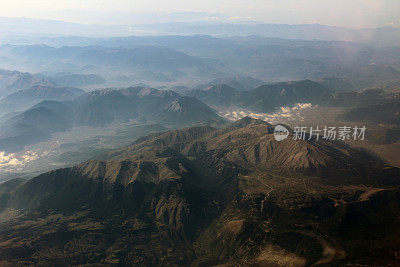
column 352, row 14
column 200, row 133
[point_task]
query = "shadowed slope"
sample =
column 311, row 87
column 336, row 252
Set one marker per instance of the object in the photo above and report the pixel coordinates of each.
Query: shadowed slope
column 208, row 196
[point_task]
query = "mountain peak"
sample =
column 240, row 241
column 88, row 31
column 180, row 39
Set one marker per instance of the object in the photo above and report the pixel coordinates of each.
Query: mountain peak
column 187, row 109
column 187, row 103
column 219, row 87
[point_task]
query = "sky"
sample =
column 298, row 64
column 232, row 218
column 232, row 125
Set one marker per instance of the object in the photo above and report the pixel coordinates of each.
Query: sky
column 347, row 13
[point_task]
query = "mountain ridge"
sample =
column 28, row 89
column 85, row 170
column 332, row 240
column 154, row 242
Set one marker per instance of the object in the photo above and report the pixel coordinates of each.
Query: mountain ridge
column 194, row 188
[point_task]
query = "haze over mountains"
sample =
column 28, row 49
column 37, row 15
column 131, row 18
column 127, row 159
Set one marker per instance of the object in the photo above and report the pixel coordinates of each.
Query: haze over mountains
column 12, row 81
column 26, row 98
column 140, row 144
column 34, row 125
column 177, row 60
column 382, row 36
column 97, row 109
column 264, row 98
column 241, row 83
column 102, row 108
column 73, row 79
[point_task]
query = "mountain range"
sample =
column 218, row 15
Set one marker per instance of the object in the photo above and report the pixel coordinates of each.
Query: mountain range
column 100, row 108
column 12, row 81
column 33, row 30
column 206, row 196
column 24, row 83
column 26, row 98
column 104, row 61
column 103, row 108
column 182, row 59
column 34, row 125
column 73, row 79
column 120, row 149
column 240, row 83
column 264, row 98
column 378, row 105
column 187, row 110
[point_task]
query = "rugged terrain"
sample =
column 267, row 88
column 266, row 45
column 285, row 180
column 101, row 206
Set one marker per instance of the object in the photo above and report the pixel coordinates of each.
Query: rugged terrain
column 98, row 109
column 203, row 196
column 264, row 98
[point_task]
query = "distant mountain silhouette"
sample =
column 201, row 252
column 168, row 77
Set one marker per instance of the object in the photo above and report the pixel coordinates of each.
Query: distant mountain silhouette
column 72, row 79
column 186, row 110
column 23, row 99
column 240, row 83
column 144, row 60
column 378, row 105
column 264, row 98
column 190, row 32
column 12, row 81
column 336, row 84
column 221, row 95
column 148, row 100
column 34, row 125
column 268, row 97
column 236, row 59
column 100, row 108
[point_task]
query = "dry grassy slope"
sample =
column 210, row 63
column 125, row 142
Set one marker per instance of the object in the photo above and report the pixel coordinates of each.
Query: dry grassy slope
column 381, row 138
column 205, row 196
column 249, row 144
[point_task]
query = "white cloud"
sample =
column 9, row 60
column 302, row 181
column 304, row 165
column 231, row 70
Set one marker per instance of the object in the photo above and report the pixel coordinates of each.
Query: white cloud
column 8, row 160
column 281, row 115
column 13, row 161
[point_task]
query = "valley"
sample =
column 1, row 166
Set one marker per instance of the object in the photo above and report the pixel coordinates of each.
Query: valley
column 186, row 140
